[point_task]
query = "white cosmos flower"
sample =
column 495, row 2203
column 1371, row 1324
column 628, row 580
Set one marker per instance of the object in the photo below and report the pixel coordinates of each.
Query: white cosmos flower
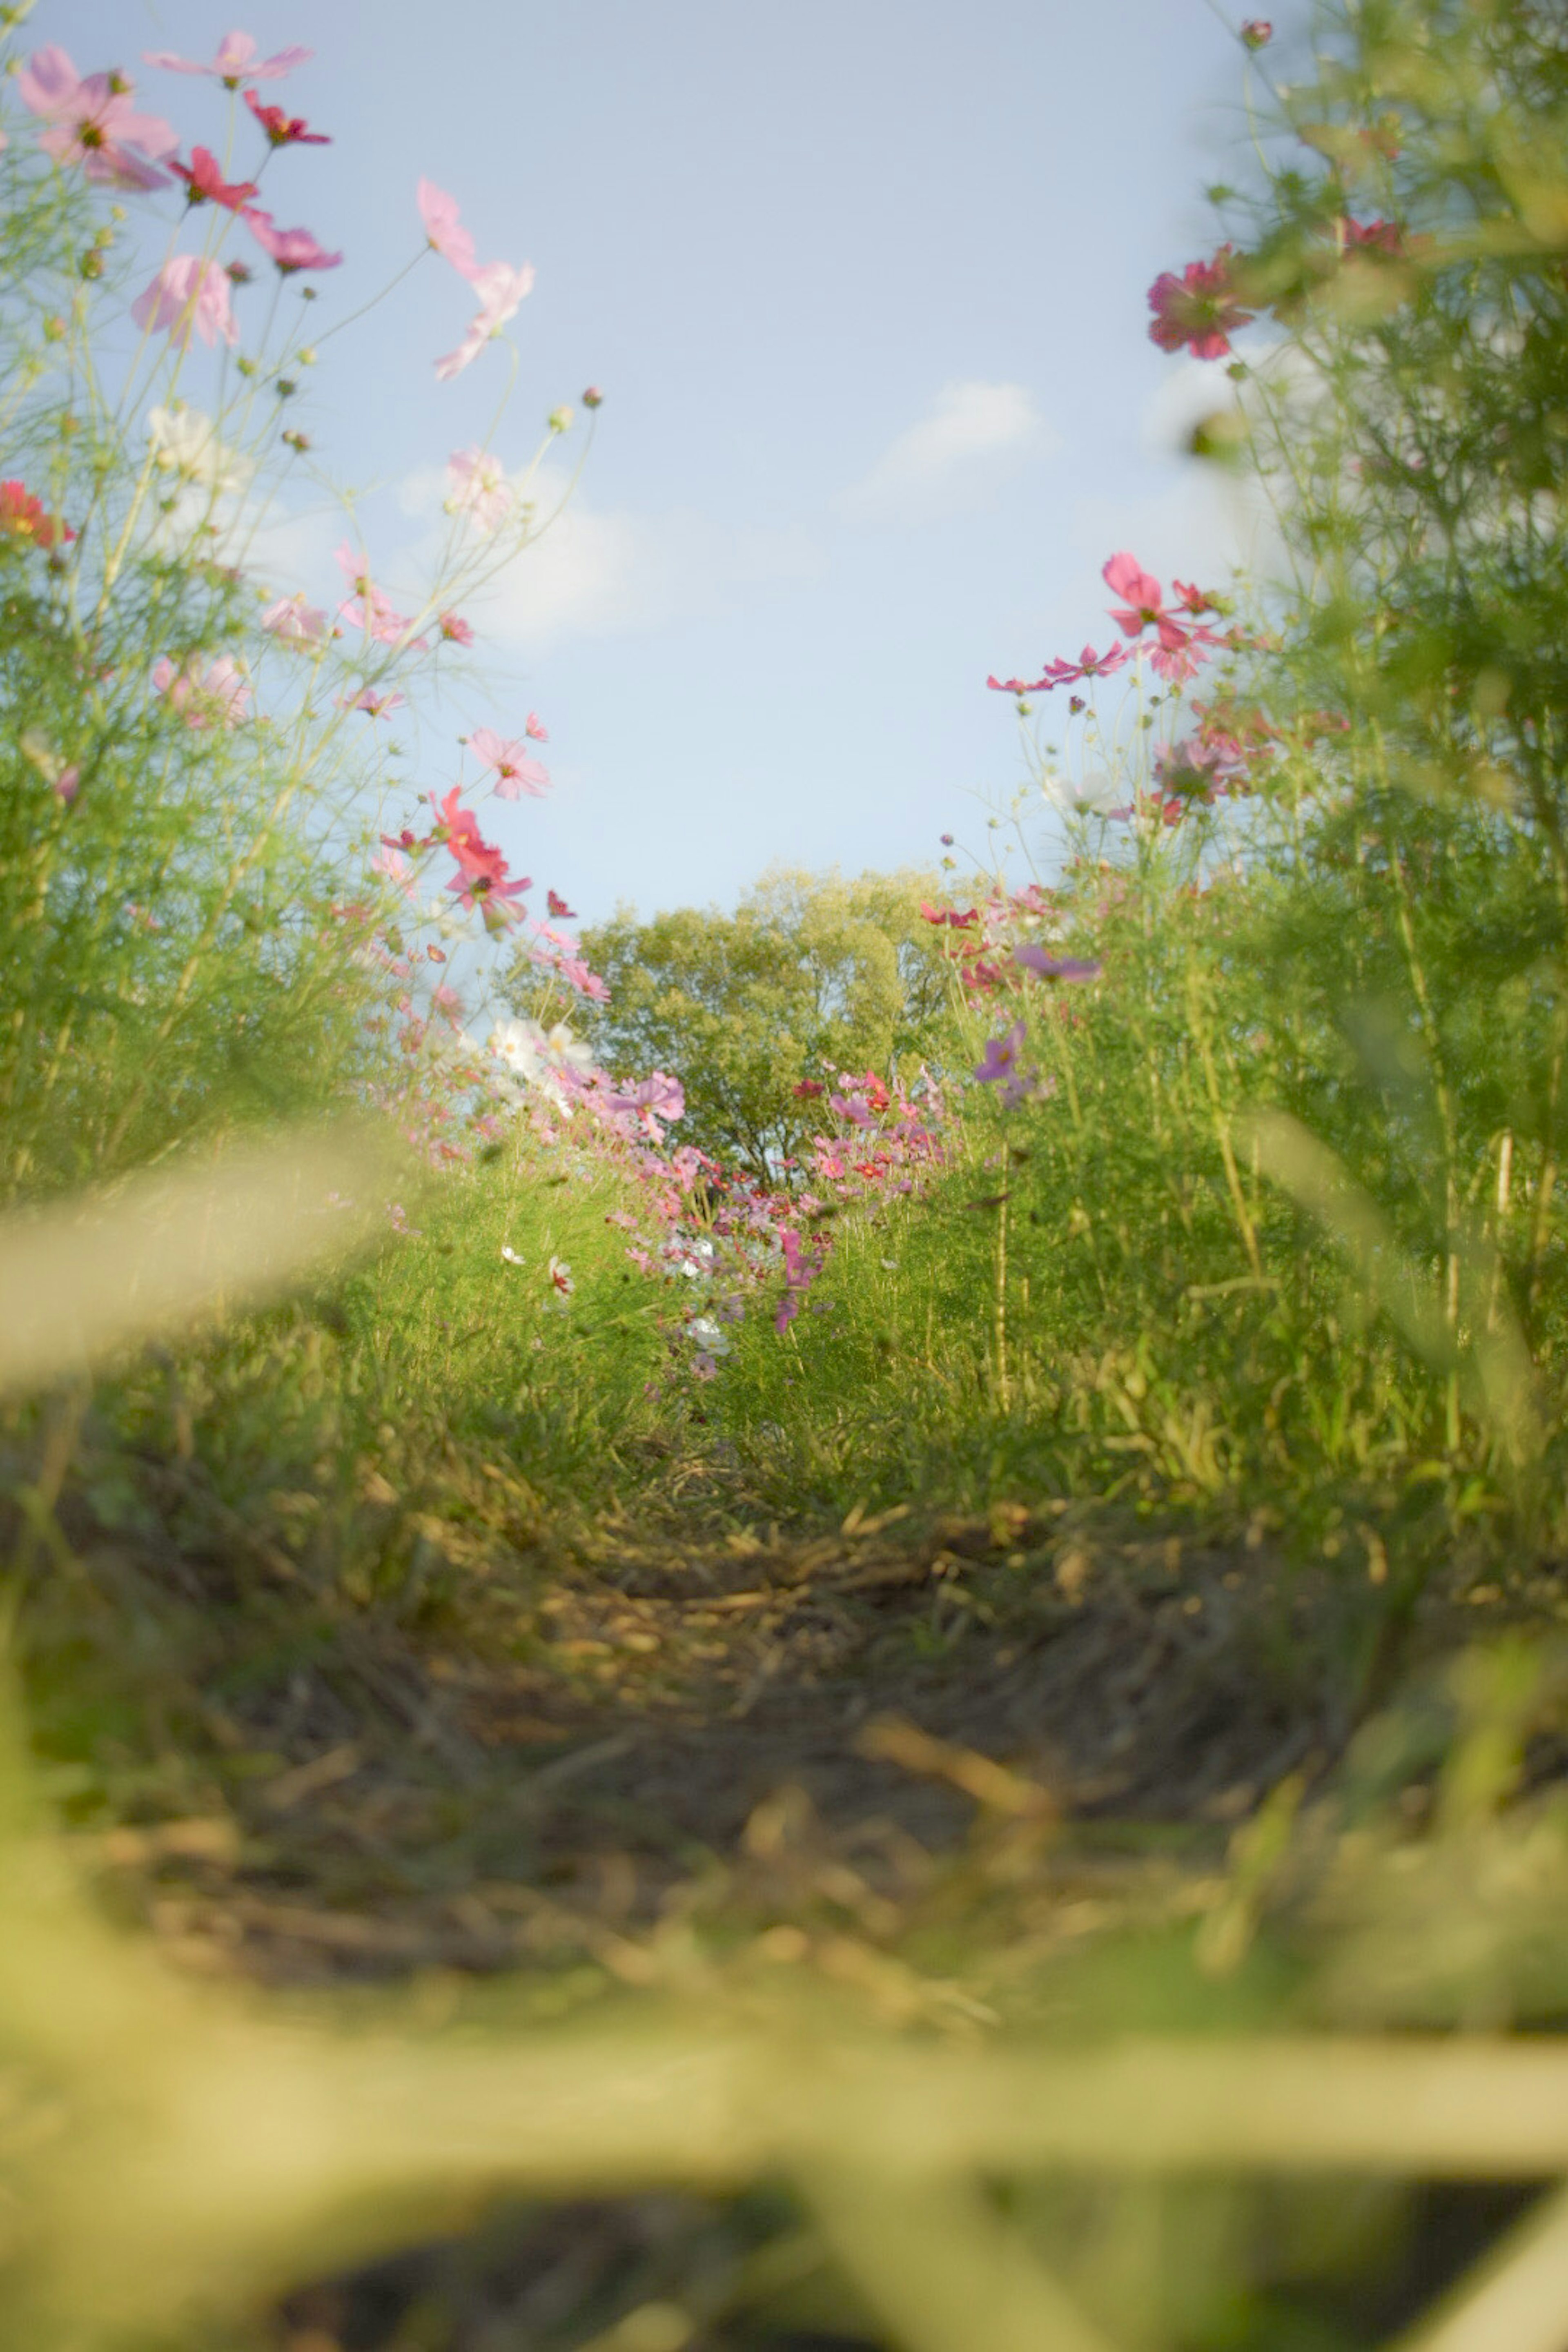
column 542, row 1058
column 185, row 443
column 1093, row 793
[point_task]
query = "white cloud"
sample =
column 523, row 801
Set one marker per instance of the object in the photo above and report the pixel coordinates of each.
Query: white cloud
column 595, row 572
column 955, row 455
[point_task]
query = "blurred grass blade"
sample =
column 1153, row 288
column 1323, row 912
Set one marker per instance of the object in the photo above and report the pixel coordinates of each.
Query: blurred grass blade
column 1496, row 1353
column 81, row 1277
column 1517, row 2299
column 942, row 2267
column 1319, row 1181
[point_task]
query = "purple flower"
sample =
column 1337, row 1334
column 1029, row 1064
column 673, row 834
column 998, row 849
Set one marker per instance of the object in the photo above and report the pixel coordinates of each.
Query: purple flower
column 1051, row 966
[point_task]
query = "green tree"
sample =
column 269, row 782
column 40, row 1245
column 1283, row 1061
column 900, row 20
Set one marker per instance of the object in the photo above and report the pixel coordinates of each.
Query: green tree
column 810, row 973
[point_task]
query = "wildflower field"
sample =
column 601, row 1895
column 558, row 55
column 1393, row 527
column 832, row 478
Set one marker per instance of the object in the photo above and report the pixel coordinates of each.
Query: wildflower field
column 836, row 1624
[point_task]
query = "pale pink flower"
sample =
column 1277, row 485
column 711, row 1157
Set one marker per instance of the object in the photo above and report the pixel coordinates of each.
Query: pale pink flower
column 534, row 728
column 93, row 123
column 515, row 772
column 218, row 696
column 291, row 248
column 235, row 61
column 188, row 293
column 478, row 487
column 501, row 289
column 295, row 621
column 371, row 613
column 373, row 704
column 392, row 865
column 455, row 630
column 445, row 230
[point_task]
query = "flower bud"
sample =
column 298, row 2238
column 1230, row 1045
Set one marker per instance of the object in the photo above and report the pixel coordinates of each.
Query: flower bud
column 560, row 420
column 593, row 397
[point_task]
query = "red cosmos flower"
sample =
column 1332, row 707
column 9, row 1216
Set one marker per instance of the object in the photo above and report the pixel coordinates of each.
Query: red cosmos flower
column 458, row 827
column 1198, row 308
column 291, row 248
column 939, row 915
column 1380, row 236
column 22, row 516
column 559, row 908
column 205, row 183
column 809, row 1089
column 284, row 129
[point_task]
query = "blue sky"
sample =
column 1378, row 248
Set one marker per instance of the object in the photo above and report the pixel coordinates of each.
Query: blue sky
column 863, row 281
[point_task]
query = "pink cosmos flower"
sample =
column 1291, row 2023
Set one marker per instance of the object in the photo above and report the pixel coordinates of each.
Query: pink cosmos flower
column 515, row 772
column 294, row 621
column 291, row 248
column 374, row 706
column 478, row 487
column 1050, row 967
column 455, row 630
column 501, row 289
column 1198, row 308
column 558, row 908
column 1144, row 607
column 587, row 982
column 1065, row 673
column 369, row 609
column 235, row 62
column 205, row 182
column 657, row 1096
column 284, row 129
column 391, row 863
column 93, row 123
column 188, row 293
column 445, row 230
column 533, row 727
column 220, row 695
column 445, row 1000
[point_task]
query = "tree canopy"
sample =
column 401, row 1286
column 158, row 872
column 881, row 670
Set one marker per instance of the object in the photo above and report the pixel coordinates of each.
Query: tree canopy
column 811, row 972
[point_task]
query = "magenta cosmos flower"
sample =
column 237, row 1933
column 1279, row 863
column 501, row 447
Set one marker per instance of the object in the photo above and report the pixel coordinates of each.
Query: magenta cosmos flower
column 1198, row 308
column 205, row 183
column 445, row 231
column 291, row 248
column 284, row 129
column 93, row 122
column 235, row 62
column 188, row 293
